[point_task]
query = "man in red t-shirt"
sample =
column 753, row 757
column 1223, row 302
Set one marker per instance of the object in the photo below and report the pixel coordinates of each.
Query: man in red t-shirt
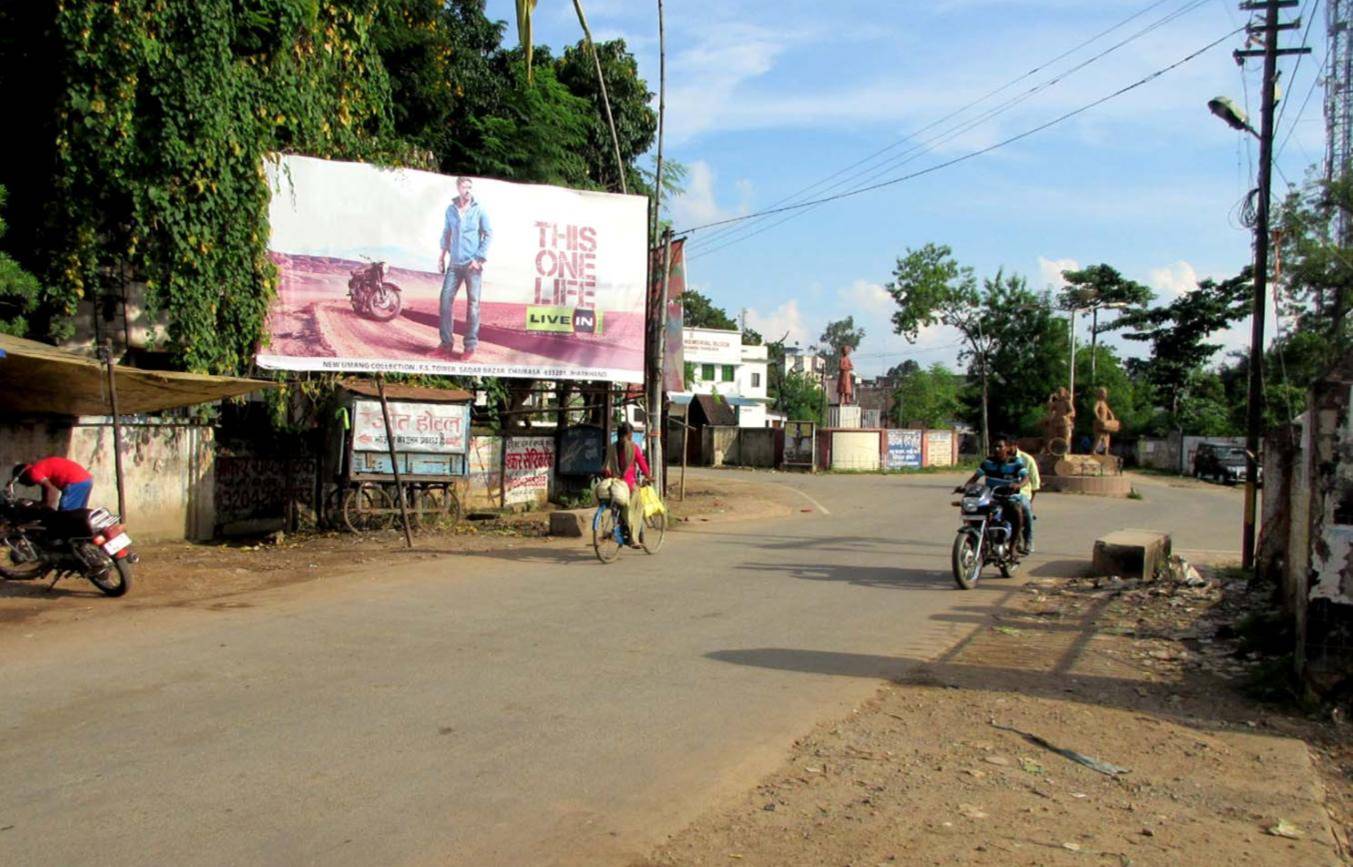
column 65, row 484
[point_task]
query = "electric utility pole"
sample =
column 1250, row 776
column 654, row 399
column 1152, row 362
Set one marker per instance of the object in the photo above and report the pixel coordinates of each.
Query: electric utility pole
column 1268, row 27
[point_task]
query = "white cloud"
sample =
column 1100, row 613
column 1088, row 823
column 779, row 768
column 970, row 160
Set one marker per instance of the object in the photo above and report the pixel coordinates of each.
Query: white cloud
column 786, row 319
column 1174, row 280
column 699, row 204
column 867, row 301
column 1050, row 270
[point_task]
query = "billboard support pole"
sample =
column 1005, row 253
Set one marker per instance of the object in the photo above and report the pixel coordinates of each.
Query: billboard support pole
column 659, row 385
column 394, row 459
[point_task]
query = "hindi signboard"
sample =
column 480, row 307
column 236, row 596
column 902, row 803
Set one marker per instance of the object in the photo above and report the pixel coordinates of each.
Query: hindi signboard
column 527, row 464
column 904, row 449
column 440, row 428
column 385, row 269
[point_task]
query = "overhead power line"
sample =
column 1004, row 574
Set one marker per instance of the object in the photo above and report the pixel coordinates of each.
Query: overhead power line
column 973, row 104
column 919, row 148
column 972, row 154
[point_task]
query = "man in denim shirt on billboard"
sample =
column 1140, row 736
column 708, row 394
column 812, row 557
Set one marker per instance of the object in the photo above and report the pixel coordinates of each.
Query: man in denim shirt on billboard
column 466, row 237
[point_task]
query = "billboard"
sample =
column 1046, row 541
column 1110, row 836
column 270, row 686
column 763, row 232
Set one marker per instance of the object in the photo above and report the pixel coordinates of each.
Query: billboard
column 904, row 449
column 410, row 271
column 799, row 444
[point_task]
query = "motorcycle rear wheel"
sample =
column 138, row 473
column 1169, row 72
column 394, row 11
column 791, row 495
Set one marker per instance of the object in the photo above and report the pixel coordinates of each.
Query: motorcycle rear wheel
column 385, row 303
column 967, row 560
column 116, row 579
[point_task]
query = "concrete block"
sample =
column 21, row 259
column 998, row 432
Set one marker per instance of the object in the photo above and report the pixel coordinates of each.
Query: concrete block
column 1131, row 553
column 571, row 522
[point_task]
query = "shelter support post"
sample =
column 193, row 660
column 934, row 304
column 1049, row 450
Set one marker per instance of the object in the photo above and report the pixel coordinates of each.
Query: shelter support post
column 106, row 356
column 394, row 460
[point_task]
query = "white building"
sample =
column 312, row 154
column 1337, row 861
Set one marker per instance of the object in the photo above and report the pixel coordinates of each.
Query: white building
column 806, row 361
column 717, row 362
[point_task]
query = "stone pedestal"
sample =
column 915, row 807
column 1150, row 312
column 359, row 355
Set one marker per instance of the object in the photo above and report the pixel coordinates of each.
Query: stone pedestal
column 1097, row 475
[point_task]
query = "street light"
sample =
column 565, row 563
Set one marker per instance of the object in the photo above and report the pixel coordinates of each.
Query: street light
column 1235, row 117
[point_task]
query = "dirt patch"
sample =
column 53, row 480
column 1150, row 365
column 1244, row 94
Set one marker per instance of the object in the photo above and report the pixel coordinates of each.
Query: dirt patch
column 963, row 762
column 219, row 576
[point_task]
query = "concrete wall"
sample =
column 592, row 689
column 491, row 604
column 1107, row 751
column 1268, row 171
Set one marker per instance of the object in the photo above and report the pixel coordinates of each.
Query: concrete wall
column 855, row 450
column 169, row 467
column 719, row 445
column 1311, row 547
column 1164, row 453
column 756, row 447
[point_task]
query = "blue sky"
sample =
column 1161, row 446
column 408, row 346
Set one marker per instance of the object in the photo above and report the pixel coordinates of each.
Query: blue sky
column 767, row 98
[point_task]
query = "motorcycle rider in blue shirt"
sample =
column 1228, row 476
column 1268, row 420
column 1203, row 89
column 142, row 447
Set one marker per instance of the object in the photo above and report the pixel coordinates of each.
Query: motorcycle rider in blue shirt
column 1002, row 467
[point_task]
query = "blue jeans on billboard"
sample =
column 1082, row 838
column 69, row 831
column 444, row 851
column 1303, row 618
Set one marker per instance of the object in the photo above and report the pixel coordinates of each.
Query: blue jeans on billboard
column 75, row 496
column 473, row 279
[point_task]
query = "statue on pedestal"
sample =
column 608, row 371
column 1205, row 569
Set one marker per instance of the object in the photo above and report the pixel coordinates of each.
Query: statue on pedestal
column 1105, row 423
column 1060, row 423
column 845, row 381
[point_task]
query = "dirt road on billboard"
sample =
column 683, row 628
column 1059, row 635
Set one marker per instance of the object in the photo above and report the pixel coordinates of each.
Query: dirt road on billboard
column 313, row 320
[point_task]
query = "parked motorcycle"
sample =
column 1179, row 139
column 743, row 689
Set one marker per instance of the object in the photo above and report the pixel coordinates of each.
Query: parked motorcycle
column 36, row 541
column 987, row 536
column 372, row 295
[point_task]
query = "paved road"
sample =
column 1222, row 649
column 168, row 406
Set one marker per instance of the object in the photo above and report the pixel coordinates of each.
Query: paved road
column 531, row 706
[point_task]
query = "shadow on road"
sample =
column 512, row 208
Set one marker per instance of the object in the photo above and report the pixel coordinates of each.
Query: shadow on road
column 861, row 576
column 1013, row 652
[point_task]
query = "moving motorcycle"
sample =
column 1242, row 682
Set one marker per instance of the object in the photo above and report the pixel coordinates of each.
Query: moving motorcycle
column 372, row 295
column 36, row 541
column 987, row 536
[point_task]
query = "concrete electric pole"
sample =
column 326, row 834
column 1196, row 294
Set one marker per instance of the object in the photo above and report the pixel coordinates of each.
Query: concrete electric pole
column 1268, row 28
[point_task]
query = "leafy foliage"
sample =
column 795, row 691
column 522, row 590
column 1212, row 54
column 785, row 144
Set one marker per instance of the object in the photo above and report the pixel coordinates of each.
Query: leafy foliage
column 700, row 312
column 1178, row 333
column 19, row 290
column 928, row 397
column 800, row 398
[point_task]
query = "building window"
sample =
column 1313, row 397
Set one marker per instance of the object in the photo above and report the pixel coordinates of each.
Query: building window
column 756, row 380
column 728, row 373
column 707, row 372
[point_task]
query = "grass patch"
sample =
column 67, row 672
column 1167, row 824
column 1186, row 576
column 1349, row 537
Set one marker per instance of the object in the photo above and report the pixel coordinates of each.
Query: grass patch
column 1134, row 494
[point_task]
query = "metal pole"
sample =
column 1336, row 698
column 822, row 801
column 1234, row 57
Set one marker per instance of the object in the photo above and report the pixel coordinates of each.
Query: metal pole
column 655, row 415
column 1094, row 344
column 1072, row 387
column 394, row 459
column 685, row 431
column 1255, row 411
column 106, row 351
column 662, row 111
column 605, row 100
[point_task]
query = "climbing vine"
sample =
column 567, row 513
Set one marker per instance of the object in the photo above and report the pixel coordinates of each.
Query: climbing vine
column 170, row 108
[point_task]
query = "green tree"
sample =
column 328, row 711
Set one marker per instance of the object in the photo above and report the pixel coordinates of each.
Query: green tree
column 840, row 333
column 1028, row 356
column 928, row 397
column 636, row 123
column 700, row 312
column 1317, row 267
column 800, row 398
column 147, row 156
column 1178, row 333
column 19, row 290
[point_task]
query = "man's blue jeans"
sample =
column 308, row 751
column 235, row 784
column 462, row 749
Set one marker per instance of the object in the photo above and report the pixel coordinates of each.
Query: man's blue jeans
column 1027, row 508
column 75, row 496
column 472, row 279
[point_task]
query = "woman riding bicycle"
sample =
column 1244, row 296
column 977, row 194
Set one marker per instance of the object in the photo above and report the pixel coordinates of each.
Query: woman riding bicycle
column 624, row 461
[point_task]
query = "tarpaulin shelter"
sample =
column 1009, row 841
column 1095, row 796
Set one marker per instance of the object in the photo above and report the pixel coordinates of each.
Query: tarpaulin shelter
column 36, row 378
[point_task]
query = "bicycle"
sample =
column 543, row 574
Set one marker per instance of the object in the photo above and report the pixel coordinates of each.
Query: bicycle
column 610, row 534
